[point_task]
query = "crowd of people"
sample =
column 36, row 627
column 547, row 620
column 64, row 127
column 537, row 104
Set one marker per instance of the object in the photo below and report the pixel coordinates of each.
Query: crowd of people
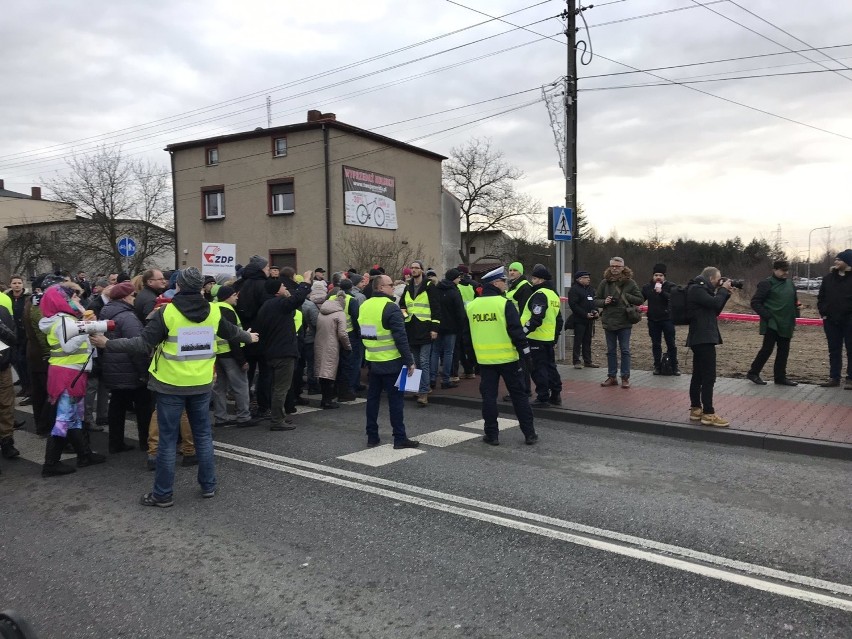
column 172, row 346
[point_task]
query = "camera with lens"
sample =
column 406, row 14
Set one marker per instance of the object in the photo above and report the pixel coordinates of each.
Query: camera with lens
column 734, row 283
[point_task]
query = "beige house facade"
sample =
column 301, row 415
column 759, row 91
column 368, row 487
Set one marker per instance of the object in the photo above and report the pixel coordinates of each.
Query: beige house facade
column 301, row 194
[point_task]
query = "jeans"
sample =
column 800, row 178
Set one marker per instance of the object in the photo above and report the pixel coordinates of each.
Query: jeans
column 622, row 338
column 583, row 332
column 355, row 360
column 281, row 370
column 377, row 383
column 119, row 401
column 770, row 339
column 169, row 409
column 422, row 358
column 489, row 382
column 229, row 374
column 443, row 348
column 96, row 405
column 19, row 361
column 837, row 334
column 703, row 377
column 308, row 354
column 657, row 329
column 548, row 383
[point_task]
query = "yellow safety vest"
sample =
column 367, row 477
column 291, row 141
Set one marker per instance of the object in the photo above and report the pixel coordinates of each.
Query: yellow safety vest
column 222, row 345
column 468, row 293
column 418, row 306
column 511, row 294
column 189, row 368
column 58, row 357
column 381, row 348
column 491, row 341
column 6, row 302
column 547, row 331
column 297, row 319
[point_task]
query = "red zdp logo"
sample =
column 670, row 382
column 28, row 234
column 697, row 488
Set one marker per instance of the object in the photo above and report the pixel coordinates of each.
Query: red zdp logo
column 211, row 256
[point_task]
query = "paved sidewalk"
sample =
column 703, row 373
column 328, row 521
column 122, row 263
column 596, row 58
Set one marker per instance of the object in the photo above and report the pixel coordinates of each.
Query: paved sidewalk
column 804, row 419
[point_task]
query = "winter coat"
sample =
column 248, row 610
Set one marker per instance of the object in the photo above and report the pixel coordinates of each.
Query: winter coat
column 614, row 315
column 18, row 305
column 310, row 312
column 38, row 350
column 146, row 299
column 276, row 324
column 252, row 294
column 658, row 303
column 703, row 305
column 777, row 303
column 96, row 304
column 834, row 300
column 8, row 335
column 581, row 301
column 418, row 331
column 453, row 318
column 123, row 370
column 331, row 336
column 522, row 292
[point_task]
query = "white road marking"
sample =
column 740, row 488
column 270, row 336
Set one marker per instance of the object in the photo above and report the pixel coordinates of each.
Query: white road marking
column 380, row 455
column 746, row 574
column 502, row 422
column 445, row 437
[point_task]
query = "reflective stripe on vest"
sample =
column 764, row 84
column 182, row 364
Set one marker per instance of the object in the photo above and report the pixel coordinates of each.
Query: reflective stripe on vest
column 547, row 331
column 511, row 294
column 491, row 341
column 222, row 345
column 58, row 357
column 381, row 348
column 193, row 369
column 418, row 306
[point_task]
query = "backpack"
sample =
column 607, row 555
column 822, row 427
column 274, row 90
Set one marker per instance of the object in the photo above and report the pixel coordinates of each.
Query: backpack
column 666, row 367
column 677, row 305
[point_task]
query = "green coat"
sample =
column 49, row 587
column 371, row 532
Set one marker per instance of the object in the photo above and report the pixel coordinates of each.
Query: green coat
column 614, row 316
column 777, row 304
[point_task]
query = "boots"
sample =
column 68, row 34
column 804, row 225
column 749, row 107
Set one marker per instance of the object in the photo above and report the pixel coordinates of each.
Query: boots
column 344, row 392
column 53, row 467
column 85, row 456
column 327, row 387
column 7, row 446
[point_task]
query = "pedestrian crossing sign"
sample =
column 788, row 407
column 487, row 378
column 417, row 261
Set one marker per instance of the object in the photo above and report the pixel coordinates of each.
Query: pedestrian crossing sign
column 562, row 224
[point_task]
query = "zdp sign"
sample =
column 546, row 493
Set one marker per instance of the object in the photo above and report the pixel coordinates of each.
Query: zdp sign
column 218, row 259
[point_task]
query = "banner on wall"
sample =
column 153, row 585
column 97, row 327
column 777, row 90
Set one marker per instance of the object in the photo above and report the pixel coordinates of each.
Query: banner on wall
column 218, row 258
column 369, row 198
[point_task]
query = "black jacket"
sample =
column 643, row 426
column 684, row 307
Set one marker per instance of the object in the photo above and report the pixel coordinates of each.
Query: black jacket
column 123, row 370
column 96, row 304
column 658, row 303
column 18, row 305
column 276, row 325
column 7, row 335
column 834, row 300
column 453, row 319
column 581, row 301
column 252, row 294
column 146, row 299
column 522, row 292
column 703, row 305
column 419, row 331
column 538, row 300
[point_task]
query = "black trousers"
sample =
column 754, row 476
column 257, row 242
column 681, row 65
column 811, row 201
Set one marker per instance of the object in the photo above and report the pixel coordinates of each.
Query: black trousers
column 703, row 377
column 770, row 339
column 120, row 400
column 44, row 413
column 583, row 332
column 489, row 382
column 543, row 370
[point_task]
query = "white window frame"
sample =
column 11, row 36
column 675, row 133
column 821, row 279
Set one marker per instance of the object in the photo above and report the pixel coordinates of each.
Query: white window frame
column 220, row 197
column 214, row 150
column 276, row 196
column 275, row 150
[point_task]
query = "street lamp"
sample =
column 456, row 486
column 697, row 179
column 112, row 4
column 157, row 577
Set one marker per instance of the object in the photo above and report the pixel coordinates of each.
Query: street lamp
column 809, row 253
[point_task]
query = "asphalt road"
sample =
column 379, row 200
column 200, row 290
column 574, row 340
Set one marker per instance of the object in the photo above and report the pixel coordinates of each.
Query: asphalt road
column 591, row 533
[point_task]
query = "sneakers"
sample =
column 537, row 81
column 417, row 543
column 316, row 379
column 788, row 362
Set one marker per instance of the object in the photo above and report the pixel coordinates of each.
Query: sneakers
column 712, row 419
column 696, row 413
column 625, row 382
column 454, row 379
column 148, row 499
column 208, row 494
column 405, row 443
column 578, row 366
column 757, row 379
column 832, row 383
column 610, row 381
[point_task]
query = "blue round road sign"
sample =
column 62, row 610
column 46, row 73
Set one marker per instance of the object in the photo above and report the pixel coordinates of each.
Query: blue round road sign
column 126, row 247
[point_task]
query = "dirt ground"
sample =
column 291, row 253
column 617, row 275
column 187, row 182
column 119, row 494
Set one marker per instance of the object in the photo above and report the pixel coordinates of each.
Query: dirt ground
column 808, row 360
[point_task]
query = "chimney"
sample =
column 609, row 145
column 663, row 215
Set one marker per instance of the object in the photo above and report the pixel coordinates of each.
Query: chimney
column 329, row 116
column 314, row 115
column 36, row 192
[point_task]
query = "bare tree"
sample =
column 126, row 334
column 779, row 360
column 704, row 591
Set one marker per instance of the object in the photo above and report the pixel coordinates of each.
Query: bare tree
column 362, row 249
column 485, row 184
column 119, row 197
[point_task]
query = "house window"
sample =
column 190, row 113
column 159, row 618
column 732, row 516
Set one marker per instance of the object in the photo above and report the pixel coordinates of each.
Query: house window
column 282, row 197
column 279, row 147
column 473, row 250
column 212, row 156
column 214, row 204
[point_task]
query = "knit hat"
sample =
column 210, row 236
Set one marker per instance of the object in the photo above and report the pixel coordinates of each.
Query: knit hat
column 498, row 273
column 540, row 271
column 272, row 285
column 49, row 279
column 120, row 291
column 659, row 268
column 190, row 280
column 319, row 287
column 781, row 265
column 580, row 274
column 345, row 284
column 298, row 278
column 406, row 271
column 517, row 266
column 375, row 271
column 845, row 256
column 463, row 269
column 452, row 274
column 431, row 273
column 122, row 277
column 224, row 292
column 258, row 261
column 209, row 279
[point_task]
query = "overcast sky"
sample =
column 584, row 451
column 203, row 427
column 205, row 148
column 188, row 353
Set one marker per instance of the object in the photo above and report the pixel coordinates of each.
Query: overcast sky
column 79, row 73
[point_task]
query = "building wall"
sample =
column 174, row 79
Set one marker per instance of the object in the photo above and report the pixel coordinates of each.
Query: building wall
column 451, row 231
column 246, row 165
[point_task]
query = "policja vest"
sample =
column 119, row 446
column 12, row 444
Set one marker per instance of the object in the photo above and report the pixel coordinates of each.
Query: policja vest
column 468, row 293
column 491, row 341
column 547, row 331
column 58, row 357
column 511, row 294
column 222, row 345
column 382, row 347
column 193, row 366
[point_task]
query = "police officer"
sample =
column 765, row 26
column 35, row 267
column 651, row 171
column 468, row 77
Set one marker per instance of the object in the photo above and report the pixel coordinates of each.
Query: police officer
column 542, row 324
column 183, row 336
column 497, row 335
column 519, row 290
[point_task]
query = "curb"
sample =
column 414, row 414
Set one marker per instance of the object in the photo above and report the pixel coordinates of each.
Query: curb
column 781, row 443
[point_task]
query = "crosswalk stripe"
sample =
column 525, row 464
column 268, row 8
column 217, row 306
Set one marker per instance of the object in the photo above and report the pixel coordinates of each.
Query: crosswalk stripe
column 445, row 437
column 380, row 455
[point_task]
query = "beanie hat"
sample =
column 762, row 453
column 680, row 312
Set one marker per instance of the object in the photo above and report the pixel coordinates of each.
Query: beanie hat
column 659, row 268
column 845, row 256
column 540, row 271
column 452, row 274
column 517, row 266
column 298, row 278
column 406, row 271
column 319, row 287
column 209, row 279
column 345, row 284
column 463, row 269
column 781, row 265
column 190, row 280
column 375, row 271
column 120, row 291
column 431, row 273
column 258, row 261
column 272, row 285
column 224, row 292
column 580, row 274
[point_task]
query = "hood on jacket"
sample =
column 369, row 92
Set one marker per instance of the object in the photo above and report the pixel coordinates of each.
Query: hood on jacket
column 446, row 285
column 192, row 306
column 489, row 290
column 253, row 271
column 625, row 276
column 57, row 300
column 332, row 305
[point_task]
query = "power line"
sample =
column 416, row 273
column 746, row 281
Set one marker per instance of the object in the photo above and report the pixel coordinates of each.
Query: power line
column 649, row 15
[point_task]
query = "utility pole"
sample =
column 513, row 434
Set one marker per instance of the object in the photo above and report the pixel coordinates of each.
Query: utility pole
column 570, row 257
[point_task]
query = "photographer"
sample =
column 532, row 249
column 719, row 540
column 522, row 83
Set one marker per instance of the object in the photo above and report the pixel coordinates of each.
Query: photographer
column 657, row 292
column 581, row 301
column 706, row 296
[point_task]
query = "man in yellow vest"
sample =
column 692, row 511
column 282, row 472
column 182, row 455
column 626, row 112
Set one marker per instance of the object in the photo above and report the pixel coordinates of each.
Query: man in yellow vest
column 183, row 335
column 497, row 335
column 519, row 291
column 386, row 349
column 542, row 321
column 422, row 319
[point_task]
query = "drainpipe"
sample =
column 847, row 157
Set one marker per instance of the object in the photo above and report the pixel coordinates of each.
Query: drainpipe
column 327, row 197
column 174, row 207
